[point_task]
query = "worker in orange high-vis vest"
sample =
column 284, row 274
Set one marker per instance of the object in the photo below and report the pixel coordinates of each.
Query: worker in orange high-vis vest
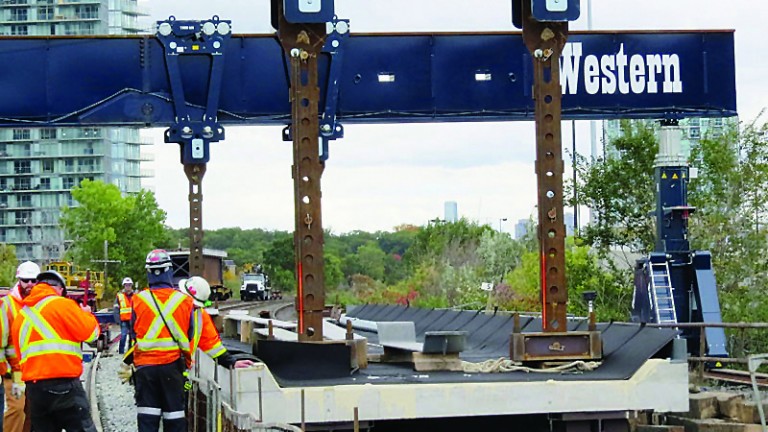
column 123, row 311
column 162, row 317
column 48, row 334
column 204, row 334
column 14, row 417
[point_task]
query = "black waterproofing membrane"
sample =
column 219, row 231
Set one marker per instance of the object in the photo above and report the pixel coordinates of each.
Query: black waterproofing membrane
column 626, row 347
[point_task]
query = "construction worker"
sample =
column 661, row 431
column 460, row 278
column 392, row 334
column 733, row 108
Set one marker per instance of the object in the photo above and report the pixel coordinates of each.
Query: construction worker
column 161, row 323
column 123, row 311
column 13, row 386
column 205, row 336
column 47, row 334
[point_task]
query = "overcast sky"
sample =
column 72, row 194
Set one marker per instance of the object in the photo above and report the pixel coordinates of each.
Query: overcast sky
column 380, row 176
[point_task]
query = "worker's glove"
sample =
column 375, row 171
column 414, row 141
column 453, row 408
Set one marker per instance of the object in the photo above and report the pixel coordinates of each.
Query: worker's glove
column 125, row 373
column 187, row 381
column 18, row 387
column 241, row 364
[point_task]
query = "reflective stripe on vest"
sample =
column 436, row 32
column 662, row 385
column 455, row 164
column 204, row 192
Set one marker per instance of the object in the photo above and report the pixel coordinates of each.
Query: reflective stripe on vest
column 152, row 340
column 50, row 342
column 214, row 351
column 6, row 326
column 125, row 307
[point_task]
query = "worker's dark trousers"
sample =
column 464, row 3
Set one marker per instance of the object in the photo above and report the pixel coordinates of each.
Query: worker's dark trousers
column 58, row 404
column 160, row 394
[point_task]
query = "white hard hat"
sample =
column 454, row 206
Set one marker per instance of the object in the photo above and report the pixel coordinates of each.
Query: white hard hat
column 127, row 281
column 27, row 270
column 197, row 288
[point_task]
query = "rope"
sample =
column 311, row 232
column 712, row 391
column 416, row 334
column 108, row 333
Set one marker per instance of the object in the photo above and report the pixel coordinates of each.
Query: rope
column 502, row 364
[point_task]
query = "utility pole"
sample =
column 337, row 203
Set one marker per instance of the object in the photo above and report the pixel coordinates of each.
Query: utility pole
column 106, row 262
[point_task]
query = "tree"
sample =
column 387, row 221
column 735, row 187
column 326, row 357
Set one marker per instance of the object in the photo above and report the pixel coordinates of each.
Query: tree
column 621, row 191
column 132, row 226
column 280, row 263
column 8, row 263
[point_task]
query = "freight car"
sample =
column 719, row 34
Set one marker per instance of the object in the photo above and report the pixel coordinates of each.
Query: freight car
column 213, row 270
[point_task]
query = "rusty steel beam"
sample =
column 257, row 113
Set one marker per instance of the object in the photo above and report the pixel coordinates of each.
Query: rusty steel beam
column 195, row 173
column 302, row 44
column 545, row 42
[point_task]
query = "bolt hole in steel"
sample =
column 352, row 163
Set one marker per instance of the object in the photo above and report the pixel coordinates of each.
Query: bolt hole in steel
column 305, row 179
column 549, row 155
column 549, row 137
column 307, row 240
column 550, row 194
column 305, row 141
column 551, row 233
column 552, row 252
column 309, row 259
column 550, row 173
column 548, row 99
column 305, row 122
column 512, row 77
column 309, row 279
column 553, row 289
column 305, row 200
column 310, row 331
column 548, row 118
column 357, row 78
column 553, row 271
column 305, row 102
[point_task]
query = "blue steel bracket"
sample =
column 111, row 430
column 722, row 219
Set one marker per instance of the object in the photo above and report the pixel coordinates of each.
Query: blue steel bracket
column 330, row 128
column 194, row 38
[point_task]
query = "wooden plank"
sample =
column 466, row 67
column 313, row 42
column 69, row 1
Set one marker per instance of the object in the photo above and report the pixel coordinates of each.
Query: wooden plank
column 437, row 362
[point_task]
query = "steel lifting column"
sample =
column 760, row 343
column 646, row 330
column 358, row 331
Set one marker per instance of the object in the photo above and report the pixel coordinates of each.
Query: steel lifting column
column 194, row 129
column 545, row 41
column 303, row 43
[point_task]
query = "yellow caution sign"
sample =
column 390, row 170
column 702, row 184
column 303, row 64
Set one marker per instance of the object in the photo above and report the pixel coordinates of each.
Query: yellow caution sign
column 663, row 176
column 674, row 176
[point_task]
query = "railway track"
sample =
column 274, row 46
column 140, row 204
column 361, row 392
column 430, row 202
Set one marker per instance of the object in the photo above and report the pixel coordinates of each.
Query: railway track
column 733, row 376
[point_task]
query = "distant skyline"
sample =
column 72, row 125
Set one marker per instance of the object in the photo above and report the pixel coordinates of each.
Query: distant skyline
column 381, row 176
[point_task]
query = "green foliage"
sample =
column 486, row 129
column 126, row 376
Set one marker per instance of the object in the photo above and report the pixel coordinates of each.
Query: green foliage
column 333, row 274
column 451, row 242
column 8, row 264
column 132, row 226
column 731, row 195
column 279, row 262
column 621, row 191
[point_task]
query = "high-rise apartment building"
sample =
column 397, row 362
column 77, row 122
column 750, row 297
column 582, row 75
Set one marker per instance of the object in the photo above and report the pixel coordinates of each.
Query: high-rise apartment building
column 39, row 167
column 451, row 211
column 694, row 129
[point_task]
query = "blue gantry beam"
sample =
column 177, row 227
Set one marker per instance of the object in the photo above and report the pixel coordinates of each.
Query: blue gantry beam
column 390, row 78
